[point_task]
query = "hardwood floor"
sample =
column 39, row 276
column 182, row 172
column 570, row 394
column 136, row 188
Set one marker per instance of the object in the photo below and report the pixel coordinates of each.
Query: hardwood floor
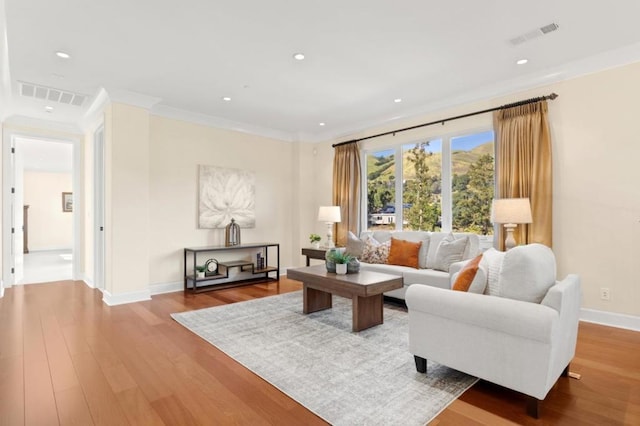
column 66, row 358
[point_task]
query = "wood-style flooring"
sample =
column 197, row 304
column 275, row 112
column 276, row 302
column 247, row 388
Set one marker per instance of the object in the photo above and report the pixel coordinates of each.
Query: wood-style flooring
column 66, row 358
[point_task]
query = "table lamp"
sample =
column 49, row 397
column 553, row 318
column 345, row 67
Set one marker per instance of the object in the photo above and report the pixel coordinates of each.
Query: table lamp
column 510, row 212
column 329, row 215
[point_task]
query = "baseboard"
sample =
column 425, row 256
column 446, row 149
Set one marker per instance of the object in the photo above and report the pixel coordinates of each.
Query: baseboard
column 611, row 319
column 88, row 281
column 122, row 298
column 166, row 288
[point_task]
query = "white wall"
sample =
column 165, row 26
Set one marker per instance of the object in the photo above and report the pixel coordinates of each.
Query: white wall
column 49, row 227
column 596, row 193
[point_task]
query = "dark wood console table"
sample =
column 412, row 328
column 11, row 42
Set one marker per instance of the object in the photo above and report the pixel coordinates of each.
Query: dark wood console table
column 221, row 279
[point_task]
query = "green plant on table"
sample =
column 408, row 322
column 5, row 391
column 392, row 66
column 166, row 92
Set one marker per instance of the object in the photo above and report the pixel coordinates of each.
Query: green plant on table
column 200, row 268
column 314, row 238
column 340, row 257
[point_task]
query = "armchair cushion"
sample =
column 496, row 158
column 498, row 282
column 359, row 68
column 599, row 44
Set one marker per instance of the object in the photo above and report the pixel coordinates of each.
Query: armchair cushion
column 527, row 273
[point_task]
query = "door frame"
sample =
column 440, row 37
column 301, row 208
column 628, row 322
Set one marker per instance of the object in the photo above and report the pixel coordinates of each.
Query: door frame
column 99, row 207
column 8, row 179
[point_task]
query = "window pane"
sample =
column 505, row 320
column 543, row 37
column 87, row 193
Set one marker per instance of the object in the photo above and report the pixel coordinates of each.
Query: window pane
column 381, row 190
column 472, row 166
column 421, row 186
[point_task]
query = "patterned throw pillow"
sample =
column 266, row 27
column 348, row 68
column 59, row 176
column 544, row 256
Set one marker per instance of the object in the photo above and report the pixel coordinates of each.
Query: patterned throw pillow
column 375, row 252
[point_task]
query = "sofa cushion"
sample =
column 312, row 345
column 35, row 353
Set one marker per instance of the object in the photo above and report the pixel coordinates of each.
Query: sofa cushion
column 466, row 275
column 374, row 251
column 492, row 262
column 450, row 250
column 404, row 253
column 527, row 273
column 429, row 277
column 355, row 245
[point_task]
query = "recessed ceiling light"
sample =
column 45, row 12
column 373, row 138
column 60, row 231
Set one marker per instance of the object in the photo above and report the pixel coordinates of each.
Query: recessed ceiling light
column 48, row 108
column 321, row 124
column 63, row 55
column 226, row 98
column 522, row 61
column 397, row 100
column 298, row 56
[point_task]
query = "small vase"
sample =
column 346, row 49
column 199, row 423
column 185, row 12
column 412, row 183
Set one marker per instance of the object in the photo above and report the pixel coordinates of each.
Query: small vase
column 353, row 267
column 341, row 268
column 200, row 274
column 316, row 245
column 330, row 264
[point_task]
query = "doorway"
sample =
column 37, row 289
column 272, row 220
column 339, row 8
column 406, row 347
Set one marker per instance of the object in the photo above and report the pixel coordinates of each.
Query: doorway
column 42, row 237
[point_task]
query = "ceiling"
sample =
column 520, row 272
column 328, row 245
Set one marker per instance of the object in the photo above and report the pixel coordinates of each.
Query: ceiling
column 182, row 59
column 45, row 155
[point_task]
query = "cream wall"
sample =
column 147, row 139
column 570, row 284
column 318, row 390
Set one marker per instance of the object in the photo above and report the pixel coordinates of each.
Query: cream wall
column 596, row 193
column 176, row 150
column 48, row 227
column 127, row 202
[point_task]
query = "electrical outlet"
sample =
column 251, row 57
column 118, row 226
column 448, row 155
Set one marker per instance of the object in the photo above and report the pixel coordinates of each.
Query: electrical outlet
column 605, row 294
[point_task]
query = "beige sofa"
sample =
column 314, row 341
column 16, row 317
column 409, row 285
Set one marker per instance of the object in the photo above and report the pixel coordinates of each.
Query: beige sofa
column 426, row 274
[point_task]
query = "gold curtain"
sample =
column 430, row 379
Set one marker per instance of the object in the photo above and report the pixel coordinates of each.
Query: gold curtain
column 524, row 167
column 346, row 190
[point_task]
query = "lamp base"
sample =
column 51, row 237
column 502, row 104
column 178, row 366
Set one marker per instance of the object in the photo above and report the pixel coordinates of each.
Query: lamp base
column 329, row 243
column 509, row 241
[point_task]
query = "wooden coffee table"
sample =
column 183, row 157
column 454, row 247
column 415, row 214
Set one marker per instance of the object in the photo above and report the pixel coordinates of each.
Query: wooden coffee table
column 364, row 289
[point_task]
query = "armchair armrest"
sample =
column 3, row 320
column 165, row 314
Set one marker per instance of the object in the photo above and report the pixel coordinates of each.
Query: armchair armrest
column 513, row 317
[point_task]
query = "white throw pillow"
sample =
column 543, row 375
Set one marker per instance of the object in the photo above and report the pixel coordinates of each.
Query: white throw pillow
column 527, row 273
column 450, row 250
column 492, row 262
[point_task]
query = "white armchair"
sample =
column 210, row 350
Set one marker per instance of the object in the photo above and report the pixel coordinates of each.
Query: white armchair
column 521, row 345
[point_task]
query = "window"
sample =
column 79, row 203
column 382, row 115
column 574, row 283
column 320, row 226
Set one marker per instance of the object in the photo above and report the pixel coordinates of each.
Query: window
column 447, row 184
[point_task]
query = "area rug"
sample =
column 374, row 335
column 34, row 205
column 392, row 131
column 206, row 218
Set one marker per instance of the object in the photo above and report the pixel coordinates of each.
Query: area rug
column 347, row 378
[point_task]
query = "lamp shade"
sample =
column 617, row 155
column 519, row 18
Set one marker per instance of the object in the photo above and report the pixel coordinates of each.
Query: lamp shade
column 329, row 214
column 511, row 210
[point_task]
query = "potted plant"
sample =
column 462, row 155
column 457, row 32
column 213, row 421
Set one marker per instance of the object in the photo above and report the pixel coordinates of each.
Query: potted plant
column 341, row 259
column 200, row 271
column 314, row 239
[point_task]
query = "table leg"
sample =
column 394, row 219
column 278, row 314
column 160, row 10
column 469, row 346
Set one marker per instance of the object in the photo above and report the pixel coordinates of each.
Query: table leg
column 367, row 311
column 315, row 300
column 308, row 263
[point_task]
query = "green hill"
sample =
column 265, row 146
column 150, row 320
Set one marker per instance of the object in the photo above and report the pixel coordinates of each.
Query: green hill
column 384, row 167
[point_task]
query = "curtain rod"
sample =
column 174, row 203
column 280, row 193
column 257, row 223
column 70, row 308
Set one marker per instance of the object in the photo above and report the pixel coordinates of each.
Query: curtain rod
column 552, row 96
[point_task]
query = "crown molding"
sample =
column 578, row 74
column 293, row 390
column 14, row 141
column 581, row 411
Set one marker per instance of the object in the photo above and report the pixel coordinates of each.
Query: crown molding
column 221, row 123
column 133, row 98
column 92, row 115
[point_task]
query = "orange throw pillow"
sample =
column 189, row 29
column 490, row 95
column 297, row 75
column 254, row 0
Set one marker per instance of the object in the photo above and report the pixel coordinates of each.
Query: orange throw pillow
column 467, row 274
column 404, row 253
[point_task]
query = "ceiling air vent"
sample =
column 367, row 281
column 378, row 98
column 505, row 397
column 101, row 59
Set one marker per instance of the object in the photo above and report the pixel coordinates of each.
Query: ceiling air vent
column 50, row 94
column 538, row 32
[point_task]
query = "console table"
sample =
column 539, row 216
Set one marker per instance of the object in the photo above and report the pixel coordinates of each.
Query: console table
column 221, row 279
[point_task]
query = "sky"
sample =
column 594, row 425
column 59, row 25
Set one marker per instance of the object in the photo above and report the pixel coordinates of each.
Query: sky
column 465, row 143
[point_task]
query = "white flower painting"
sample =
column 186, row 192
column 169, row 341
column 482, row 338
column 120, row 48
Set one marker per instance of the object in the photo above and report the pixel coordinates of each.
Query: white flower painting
column 226, row 194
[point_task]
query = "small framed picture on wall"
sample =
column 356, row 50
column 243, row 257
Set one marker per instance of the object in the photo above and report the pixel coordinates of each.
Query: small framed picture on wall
column 67, row 201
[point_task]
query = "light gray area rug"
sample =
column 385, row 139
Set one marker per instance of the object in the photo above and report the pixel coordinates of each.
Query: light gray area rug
column 347, row 378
